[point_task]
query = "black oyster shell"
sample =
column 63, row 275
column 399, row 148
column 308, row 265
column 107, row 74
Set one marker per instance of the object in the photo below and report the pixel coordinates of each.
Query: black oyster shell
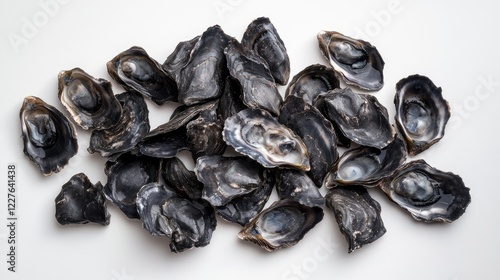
column 281, row 225
column 49, row 138
column 90, row 101
column 135, row 70
column 421, row 112
column 182, row 180
column 188, row 223
column 81, row 202
column 262, row 37
column 429, row 194
column 357, row 214
column 127, row 132
column 357, row 61
column 359, row 117
column 297, row 186
column 312, row 81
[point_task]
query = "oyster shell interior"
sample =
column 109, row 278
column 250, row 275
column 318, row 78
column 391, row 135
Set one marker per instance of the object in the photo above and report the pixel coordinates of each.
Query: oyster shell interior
column 312, row 81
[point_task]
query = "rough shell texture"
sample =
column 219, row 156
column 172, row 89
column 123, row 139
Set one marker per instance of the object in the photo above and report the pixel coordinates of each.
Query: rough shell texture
column 281, row 225
column 135, row 70
column 257, row 134
column 429, row 194
column 297, row 186
column 357, row 214
column 312, row 81
column 357, row 61
column 182, row 180
column 126, row 176
column 262, row 37
column 49, row 138
column 127, row 132
column 316, row 132
column 81, row 202
column 367, row 165
column 421, row 112
column 90, row 101
column 257, row 83
column 359, row 117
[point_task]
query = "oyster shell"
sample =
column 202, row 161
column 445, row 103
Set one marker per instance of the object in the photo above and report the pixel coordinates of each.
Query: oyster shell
column 201, row 67
column 255, row 133
column 188, row 223
column 262, row 37
column 297, row 186
column 312, row 81
column 230, row 102
column 126, row 176
column 127, row 132
column 429, row 194
column 49, row 138
column 367, row 165
column 90, row 101
column 135, row 70
column 182, row 180
column 358, row 62
column 357, row 214
column 259, row 88
column 359, row 117
column 316, row 132
column 421, row 112
column 281, row 225
column 81, row 202
column 225, row 178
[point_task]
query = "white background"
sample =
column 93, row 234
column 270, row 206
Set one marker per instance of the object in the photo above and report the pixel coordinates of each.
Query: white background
column 454, row 43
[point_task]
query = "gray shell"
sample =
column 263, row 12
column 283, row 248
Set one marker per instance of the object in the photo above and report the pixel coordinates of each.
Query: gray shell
column 312, row 81
column 297, row 186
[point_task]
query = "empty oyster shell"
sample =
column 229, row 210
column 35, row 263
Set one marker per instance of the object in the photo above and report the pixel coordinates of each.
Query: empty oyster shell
column 262, row 37
column 421, row 112
column 131, row 128
column 357, row 61
column 281, row 225
column 317, row 133
column 255, row 133
column 357, row 214
column 182, row 180
column 259, row 88
column 312, row 81
column 126, row 176
column 297, row 186
column 81, row 202
column 367, row 165
column 188, row 223
column 90, row 101
column 49, row 138
column 359, row 117
column 225, row 178
column 135, row 70
column 429, row 194
column 200, row 68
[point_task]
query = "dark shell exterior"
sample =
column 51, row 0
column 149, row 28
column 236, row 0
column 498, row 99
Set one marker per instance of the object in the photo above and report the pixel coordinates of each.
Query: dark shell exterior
column 262, row 37
column 357, row 61
column 257, row 83
column 255, row 133
column 132, row 127
column 421, row 112
column 367, row 165
column 135, row 70
column 316, row 132
column 182, row 180
column 49, row 138
column 204, row 134
column 90, row 101
column 81, row 202
column 312, row 81
column 357, row 214
column 297, row 186
column 429, row 194
column 281, row 225
column 359, row 117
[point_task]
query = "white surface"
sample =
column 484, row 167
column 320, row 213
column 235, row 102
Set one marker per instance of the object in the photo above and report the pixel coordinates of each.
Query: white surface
column 455, row 44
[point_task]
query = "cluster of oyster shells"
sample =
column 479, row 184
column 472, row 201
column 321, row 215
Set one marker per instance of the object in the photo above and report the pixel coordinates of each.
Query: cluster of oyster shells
column 229, row 101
